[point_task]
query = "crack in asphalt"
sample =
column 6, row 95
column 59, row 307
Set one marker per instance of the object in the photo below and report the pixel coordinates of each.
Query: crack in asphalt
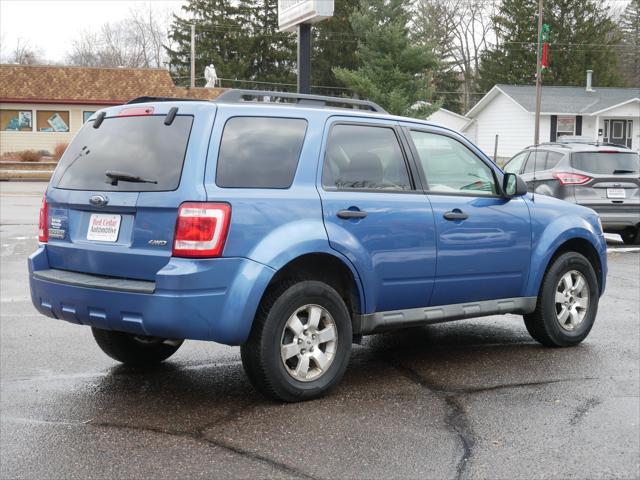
column 582, row 410
column 199, row 436
column 456, row 418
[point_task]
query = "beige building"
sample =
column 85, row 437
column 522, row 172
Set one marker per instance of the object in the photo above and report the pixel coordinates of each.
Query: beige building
column 42, row 106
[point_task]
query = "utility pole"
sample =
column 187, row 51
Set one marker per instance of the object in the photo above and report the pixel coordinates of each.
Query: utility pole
column 536, row 135
column 193, row 55
column 304, row 58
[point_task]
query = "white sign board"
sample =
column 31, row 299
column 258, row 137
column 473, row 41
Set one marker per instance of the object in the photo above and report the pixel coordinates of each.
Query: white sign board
column 293, row 12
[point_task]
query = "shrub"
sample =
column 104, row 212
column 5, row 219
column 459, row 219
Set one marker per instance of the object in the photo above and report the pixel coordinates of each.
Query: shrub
column 29, row 156
column 59, row 151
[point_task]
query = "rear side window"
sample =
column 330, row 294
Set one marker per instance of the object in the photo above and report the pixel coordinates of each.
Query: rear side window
column 552, row 159
column 142, row 147
column 605, row 163
column 260, row 152
column 537, row 160
column 364, row 157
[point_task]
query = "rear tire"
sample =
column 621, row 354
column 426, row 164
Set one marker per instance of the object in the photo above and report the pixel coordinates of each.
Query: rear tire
column 631, row 236
column 300, row 342
column 567, row 303
column 135, row 349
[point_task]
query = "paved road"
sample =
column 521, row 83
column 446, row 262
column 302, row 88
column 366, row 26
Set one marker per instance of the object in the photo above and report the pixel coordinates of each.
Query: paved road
column 471, row 399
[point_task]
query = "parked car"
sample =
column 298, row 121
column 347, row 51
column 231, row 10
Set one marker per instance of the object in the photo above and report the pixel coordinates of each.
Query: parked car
column 292, row 226
column 605, row 178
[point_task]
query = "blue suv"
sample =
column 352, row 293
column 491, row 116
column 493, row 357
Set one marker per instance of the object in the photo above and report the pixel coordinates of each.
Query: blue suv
column 292, row 226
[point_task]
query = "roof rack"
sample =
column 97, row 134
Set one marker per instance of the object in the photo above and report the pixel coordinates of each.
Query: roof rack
column 161, row 99
column 239, row 96
column 553, row 144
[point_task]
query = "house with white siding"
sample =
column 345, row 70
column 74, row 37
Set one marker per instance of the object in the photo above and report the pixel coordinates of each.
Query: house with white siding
column 608, row 115
column 448, row 119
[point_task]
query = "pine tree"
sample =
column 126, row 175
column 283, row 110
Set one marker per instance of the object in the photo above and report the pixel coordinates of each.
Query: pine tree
column 431, row 31
column 220, row 40
column 583, row 37
column 392, row 71
column 334, row 45
column 630, row 56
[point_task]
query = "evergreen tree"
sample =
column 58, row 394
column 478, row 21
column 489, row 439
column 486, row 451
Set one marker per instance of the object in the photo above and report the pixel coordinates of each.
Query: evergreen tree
column 582, row 37
column 273, row 53
column 334, row 45
column 220, row 40
column 392, row 71
column 239, row 38
column 630, row 56
column 430, row 30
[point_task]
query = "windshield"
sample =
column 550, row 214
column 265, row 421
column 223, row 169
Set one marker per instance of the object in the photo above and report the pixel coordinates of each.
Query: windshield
column 605, row 163
column 141, row 146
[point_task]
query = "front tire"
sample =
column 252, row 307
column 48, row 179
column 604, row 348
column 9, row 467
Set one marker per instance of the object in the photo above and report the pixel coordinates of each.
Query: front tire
column 134, row 349
column 567, row 303
column 300, row 343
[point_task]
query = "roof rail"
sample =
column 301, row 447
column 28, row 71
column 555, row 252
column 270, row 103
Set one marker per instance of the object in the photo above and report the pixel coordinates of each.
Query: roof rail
column 239, row 96
column 552, row 144
column 162, row 99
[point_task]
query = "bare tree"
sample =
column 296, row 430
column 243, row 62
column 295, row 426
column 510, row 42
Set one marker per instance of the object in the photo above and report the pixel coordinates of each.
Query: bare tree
column 461, row 30
column 24, row 53
column 135, row 42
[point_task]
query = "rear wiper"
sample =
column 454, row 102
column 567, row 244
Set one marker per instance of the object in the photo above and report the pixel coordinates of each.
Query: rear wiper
column 125, row 177
column 624, row 171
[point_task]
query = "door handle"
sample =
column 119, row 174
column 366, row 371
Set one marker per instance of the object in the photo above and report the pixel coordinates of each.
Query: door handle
column 455, row 215
column 346, row 214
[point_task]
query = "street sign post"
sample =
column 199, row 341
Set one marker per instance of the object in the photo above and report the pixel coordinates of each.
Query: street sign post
column 301, row 14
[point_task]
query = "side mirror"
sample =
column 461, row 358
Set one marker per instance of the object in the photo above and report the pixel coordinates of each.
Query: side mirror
column 513, row 185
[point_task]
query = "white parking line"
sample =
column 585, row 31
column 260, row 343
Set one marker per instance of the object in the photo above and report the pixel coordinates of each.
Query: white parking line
column 623, row 250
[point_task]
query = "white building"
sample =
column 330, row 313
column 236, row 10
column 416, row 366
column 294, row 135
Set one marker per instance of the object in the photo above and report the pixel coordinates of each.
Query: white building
column 610, row 115
column 448, row 119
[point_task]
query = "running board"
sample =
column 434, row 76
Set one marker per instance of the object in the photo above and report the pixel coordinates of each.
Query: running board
column 381, row 321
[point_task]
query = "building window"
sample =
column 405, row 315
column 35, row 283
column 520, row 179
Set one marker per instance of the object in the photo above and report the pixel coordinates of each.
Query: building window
column 52, row 121
column 86, row 115
column 16, row 120
column 566, row 126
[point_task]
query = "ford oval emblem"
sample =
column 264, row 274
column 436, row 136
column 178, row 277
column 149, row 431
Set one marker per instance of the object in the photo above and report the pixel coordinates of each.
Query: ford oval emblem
column 98, row 200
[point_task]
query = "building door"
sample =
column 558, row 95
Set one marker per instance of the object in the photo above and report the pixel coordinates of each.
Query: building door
column 618, row 131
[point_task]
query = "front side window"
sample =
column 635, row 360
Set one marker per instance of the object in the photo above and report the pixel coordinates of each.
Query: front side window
column 260, row 152
column 450, row 167
column 364, row 157
column 515, row 164
column 16, row 120
column 52, row 121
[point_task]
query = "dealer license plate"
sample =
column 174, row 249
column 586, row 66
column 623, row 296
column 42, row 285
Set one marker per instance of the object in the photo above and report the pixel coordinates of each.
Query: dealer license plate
column 104, row 228
column 616, row 193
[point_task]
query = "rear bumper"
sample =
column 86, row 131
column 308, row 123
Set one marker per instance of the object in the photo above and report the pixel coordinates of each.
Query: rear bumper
column 213, row 299
column 617, row 218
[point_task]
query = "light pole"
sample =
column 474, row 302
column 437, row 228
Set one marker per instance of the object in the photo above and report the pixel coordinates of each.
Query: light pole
column 536, row 135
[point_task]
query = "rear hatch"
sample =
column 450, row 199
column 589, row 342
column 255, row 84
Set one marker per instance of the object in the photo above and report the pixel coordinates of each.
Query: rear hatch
column 614, row 179
column 114, row 197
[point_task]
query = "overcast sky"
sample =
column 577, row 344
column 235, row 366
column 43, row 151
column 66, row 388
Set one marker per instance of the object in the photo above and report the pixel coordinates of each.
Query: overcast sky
column 50, row 25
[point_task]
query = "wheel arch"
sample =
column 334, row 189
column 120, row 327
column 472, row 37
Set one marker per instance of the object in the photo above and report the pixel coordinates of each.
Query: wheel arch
column 580, row 244
column 330, row 269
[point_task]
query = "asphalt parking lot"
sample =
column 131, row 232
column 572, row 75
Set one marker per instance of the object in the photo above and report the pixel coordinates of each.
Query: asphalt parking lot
column 470, row 399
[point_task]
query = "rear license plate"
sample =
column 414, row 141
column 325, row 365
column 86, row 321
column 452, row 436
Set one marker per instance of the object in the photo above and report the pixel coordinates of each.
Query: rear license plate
column 616, row 193
column 103, row 228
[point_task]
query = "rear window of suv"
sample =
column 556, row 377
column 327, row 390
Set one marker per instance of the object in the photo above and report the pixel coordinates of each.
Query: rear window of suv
column 139, row 146
column 260, row 152
column 606, row 163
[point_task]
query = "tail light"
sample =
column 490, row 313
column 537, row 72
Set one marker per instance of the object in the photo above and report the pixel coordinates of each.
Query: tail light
column 566, row 178
column 201, row 229
column 43, row 223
